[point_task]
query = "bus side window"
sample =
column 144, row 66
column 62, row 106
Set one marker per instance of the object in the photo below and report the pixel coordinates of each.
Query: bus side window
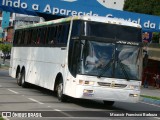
column 29, row 41
column 25, row 37
column 34, row 37
column 22, row 38
column 15, row 41
column 47, row 35
column 76, row 28
column 38, row 35
column 42, row 36
column 64, row 34
column 19, row 38
column 58, row 34
column 55, row 34
column 52, row 39
column 61, row 33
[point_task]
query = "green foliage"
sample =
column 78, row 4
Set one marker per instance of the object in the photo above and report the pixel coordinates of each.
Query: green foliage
column 155, row 38
column 1, row 118
column 152, row 97
column 5, row 48
column 151, row 7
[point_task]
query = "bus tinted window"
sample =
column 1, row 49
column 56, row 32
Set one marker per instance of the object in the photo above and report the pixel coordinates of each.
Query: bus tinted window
column 62, row 35
column 76, row 28
column 34, row 37
column 43, row 36
column 114, row 31
column 58, row 34
column 29, row 37
column 26, row 35
column 52, row 38
column 15, row 38
column 19, row 37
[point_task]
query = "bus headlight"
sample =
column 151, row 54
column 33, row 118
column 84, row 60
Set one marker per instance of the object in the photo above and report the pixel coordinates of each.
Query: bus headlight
column 133, row 95
column 134, row 87
column 83, row 82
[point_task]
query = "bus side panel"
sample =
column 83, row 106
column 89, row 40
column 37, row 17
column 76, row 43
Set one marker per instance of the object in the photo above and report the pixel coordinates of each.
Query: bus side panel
column 70, row 84
column 12, row 68
column 42, row 64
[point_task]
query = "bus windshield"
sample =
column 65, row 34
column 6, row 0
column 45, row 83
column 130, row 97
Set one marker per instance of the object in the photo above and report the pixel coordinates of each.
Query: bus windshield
column 110, row 60
column 99, row 49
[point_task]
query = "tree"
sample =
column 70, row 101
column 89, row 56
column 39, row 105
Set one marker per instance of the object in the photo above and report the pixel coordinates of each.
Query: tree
column 151, row 7
column 6, row 49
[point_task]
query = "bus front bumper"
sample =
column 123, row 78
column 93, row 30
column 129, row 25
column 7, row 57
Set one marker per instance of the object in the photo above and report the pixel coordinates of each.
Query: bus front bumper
column 108, row 94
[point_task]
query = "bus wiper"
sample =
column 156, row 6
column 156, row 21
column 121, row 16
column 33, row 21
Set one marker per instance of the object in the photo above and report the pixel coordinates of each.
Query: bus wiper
column 106, row 67
column 124, row 70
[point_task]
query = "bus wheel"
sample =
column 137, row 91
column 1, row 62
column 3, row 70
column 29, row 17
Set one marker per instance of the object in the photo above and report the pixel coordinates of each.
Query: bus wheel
column 19, row 79
column 60, row 95
column 24, row 84
column 108, row 103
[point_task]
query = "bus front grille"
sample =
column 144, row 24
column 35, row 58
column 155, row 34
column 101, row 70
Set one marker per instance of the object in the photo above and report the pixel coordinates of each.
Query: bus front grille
column 104, row 84
column 112, row 85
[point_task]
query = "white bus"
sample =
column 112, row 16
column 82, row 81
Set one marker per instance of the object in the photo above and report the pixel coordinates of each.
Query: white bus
column 82, row 57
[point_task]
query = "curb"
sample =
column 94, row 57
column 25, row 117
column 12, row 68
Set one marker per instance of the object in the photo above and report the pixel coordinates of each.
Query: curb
column 4, row 66
column 150, row 100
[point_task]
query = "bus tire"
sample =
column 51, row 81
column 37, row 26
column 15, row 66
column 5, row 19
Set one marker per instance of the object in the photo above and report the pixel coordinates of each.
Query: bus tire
column 60, row 95
column 108, row 103
column 24, row 84
column 19, row 79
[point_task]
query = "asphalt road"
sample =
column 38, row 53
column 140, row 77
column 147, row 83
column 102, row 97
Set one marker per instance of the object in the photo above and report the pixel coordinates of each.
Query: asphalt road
column 7, row 61
column 14, row 98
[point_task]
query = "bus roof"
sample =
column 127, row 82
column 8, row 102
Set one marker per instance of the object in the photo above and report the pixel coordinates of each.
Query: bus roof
column 87, row 18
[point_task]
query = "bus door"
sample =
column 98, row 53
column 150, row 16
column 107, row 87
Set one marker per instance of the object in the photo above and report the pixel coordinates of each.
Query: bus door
column 73, row 66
